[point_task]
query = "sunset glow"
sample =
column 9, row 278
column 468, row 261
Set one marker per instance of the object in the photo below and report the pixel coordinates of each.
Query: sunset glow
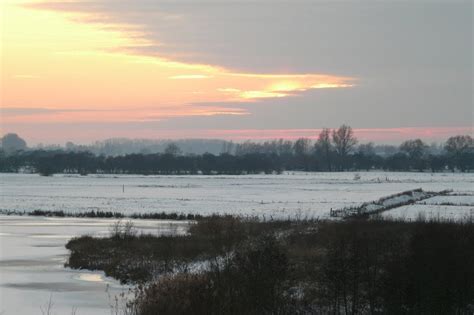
column 79, row 72
column 107, row 67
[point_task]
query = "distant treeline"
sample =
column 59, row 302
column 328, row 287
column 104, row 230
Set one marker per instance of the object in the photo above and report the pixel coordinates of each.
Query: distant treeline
column 335, row 150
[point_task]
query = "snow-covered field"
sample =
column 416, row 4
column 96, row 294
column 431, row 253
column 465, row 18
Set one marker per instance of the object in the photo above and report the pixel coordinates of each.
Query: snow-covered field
column 450, row 207
column 278, row 196
column 429, row 212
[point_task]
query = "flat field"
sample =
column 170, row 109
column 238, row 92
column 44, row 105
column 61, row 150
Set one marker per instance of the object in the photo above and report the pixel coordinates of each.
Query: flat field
column 294, row 195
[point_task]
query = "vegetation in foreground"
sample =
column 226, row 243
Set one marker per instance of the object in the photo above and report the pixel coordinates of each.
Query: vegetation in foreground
column 227, row 265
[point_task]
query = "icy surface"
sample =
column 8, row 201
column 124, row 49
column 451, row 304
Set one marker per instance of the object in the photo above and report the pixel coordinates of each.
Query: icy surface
column 32, row 256
column 294, row 194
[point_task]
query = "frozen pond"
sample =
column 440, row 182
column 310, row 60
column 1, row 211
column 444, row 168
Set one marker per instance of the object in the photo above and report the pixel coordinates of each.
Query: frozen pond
column 278, row 196
column 32, row 256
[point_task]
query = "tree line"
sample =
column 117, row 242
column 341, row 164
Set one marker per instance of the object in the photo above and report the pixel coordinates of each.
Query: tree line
column 334, row 150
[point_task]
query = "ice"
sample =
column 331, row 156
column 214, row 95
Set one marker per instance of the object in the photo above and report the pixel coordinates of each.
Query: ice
column 32, row 256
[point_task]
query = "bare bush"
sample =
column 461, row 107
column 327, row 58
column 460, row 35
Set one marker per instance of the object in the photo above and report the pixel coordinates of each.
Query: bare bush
column 123, row 230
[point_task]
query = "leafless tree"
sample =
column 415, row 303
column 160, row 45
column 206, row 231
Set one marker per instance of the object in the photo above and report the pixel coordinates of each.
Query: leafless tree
column 172, row 149
column 414, row 148
column 344, row 142
column 460, row 150
column 458, row 145
column 301, row 146
column 324, row 146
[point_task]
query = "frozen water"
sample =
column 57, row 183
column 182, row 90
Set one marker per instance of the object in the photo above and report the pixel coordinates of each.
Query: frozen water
column 32, row 256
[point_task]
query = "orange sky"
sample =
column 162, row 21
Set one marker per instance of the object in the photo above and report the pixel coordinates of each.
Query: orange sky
column 79, row 75
column 82, row 72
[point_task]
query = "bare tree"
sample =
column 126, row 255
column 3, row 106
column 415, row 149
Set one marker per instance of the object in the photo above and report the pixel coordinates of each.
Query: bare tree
column 301, row 146
column 11, row 143
column 414, row 148
column 172, row 149
column 323, row 146
column 284, row 147
column 461, row 151
column 458, row 145
column 122, row 230
column 344, row 142
column 367, row 148
column 227, row 147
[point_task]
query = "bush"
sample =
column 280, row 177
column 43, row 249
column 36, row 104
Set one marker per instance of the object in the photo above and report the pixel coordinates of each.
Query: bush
column 251, row 267
column 123, row 230
column 248, row 282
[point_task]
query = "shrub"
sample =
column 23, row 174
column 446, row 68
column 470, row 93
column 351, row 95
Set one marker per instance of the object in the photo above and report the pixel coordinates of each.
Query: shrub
column 248, row 282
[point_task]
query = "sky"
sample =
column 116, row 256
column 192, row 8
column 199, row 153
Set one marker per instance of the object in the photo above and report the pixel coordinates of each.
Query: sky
column 85, row 70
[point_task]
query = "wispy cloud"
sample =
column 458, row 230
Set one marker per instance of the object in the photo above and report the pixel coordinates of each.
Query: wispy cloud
column 190, row 77
column 20, row 115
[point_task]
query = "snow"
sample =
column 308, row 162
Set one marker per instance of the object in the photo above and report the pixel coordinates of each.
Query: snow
column 32, row 250
column 451, row 200
column 278, row 196
column 414, row 212
column 385, row 203
column 393, row 201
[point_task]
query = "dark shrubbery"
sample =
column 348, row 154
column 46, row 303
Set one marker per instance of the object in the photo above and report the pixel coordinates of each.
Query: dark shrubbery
column 135, row 259
column 251, row 281
column 391, row 267
column 251, row 267
column 179, row 294
column 108, row 214
column 167, row 216
column 140, row 258
column 87, row 214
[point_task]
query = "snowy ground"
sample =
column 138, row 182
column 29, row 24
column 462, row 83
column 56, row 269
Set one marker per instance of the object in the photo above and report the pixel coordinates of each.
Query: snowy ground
column 32, row 256
column 32, row 249
column 280, row 196
column 450, row 207
column 428, row 212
